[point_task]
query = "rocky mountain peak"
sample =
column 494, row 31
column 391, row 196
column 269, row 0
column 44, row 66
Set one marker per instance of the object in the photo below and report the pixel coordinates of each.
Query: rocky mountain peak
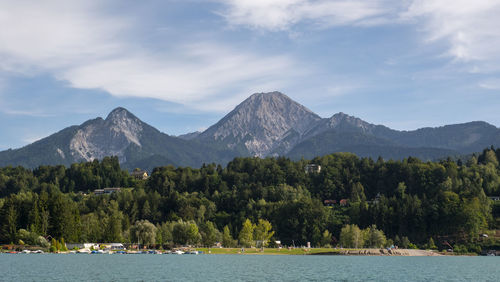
column 111, row 137
column 120, row 114
column 261, row 122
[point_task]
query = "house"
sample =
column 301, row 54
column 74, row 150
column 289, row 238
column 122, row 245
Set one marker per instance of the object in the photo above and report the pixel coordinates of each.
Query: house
column 140, row 174
column 106, row 191
column 112, row 246
column 343, row 202
column 312, row 168
column 95, row 246
column 495, row 198
column 329, row 203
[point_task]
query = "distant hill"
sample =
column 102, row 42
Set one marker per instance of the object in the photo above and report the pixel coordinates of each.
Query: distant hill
column 265, row 124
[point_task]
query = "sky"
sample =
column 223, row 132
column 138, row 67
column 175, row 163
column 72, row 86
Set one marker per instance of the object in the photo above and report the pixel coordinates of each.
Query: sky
column 181, row 65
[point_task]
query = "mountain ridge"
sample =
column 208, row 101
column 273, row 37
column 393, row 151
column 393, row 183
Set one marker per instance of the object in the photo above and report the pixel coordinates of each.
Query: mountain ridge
column 264, row 124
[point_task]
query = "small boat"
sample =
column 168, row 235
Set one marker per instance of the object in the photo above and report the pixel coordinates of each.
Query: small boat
column 178, row 252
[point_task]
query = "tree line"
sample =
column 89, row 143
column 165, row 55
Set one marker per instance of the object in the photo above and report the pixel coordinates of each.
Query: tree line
column 237, row 204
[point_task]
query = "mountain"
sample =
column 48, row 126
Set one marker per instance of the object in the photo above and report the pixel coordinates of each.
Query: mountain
column 262, row 124
column 265, row 124
column 121, row 134
column 466, row 137
column 363, row 145
column 344, row 133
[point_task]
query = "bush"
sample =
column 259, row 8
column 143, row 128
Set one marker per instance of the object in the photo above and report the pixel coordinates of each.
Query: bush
column 27, row 237
column 41, row 241
column 412, row 246
column 431, row 245
column 460, row 249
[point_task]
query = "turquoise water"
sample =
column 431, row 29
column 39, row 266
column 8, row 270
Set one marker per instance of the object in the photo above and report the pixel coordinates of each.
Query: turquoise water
column 83, row 267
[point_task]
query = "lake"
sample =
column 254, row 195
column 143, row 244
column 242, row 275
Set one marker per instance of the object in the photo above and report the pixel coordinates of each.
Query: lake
column 84, row 267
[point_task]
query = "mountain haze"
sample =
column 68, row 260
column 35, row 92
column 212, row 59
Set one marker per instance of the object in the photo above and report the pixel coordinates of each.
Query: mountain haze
column 265, row 124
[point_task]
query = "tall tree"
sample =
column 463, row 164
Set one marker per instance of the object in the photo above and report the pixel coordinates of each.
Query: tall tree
column 246, row 234
column 351, row 236
column 144, row 232
column 262, row 233
column 227, row 238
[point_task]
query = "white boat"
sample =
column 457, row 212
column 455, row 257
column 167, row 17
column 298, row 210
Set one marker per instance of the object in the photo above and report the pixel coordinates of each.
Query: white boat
column 83, row 251
column 178, row 252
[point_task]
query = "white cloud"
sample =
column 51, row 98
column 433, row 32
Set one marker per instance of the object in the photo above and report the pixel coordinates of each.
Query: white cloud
column 491, row 84
column 76, row 42
column 55, row 34
column 275, row 15
column 469, row 27
column 193, row 75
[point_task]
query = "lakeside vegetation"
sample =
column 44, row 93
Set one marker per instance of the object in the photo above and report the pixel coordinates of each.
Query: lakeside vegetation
column 252, row 201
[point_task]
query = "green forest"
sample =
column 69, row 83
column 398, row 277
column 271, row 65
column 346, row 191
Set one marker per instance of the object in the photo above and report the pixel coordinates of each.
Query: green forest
column 252, row 201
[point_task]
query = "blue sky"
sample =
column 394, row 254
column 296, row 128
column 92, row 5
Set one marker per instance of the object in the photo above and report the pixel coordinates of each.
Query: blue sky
column 182, row 65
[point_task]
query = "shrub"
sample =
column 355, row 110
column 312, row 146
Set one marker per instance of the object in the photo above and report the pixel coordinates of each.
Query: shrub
column 412, row 246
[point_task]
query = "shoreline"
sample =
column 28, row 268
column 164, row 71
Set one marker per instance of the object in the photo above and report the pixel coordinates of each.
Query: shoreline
column 294, row 251
column 385, row 252
column 321, row 251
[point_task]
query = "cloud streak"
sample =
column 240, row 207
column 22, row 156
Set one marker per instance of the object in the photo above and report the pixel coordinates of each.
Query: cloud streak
column 77, row 43
column 82, row 43
column 197, row 73
column 279, row 15
column 469, row 27
column 490, row 84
